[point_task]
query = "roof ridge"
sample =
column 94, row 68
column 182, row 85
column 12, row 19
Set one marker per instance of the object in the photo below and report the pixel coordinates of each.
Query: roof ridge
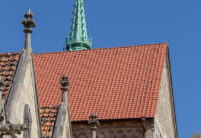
column 9, row 53
column 131, row 46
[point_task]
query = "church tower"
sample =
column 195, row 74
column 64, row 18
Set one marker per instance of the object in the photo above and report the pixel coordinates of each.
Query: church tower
column 78, row 38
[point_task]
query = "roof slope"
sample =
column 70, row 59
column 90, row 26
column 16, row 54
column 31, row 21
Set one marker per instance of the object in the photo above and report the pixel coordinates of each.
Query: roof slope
column 114, row 83
column 8, row 66
column 48, row 119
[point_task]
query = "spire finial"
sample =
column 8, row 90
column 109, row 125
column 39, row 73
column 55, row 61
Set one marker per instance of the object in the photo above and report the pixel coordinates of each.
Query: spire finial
column 94, row 124
column 78, row 39
column 64, row 83
column 28, row 23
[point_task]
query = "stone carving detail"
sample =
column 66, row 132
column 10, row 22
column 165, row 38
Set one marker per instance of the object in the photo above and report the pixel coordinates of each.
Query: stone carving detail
column 27, row 121
column 28, row 23
column 64, row 83
column 12, row 129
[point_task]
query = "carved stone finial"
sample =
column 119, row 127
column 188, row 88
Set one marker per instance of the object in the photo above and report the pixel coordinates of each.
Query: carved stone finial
column 94, row 124
column 28, row 23
column 64, row 83
column 93, row 119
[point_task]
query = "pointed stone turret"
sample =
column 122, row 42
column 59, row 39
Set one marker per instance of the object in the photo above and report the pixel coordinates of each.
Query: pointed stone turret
column 78, row 39
column 63, row 124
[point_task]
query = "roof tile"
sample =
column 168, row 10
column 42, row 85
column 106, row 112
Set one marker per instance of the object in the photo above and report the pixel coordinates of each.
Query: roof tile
column 48, row 119
column 114, row 83
column 8, row 65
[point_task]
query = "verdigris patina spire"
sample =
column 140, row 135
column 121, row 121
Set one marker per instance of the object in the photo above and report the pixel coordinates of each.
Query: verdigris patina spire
column 78, row 38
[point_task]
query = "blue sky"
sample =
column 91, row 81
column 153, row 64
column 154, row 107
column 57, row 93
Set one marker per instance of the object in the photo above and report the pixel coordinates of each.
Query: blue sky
column 122, row 23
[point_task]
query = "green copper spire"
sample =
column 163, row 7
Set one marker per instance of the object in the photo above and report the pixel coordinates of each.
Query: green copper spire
column 78, row 39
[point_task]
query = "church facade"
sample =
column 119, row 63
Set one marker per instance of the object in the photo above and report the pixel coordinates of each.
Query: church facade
column 119, row 92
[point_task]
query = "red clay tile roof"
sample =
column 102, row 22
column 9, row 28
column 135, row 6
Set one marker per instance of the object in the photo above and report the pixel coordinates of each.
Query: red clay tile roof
column 48, row 117
column 114, row 83
column 8, row 66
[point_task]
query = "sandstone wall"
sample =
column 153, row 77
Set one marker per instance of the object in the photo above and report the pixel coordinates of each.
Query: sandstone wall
column 165, row 124
column 117, row 129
